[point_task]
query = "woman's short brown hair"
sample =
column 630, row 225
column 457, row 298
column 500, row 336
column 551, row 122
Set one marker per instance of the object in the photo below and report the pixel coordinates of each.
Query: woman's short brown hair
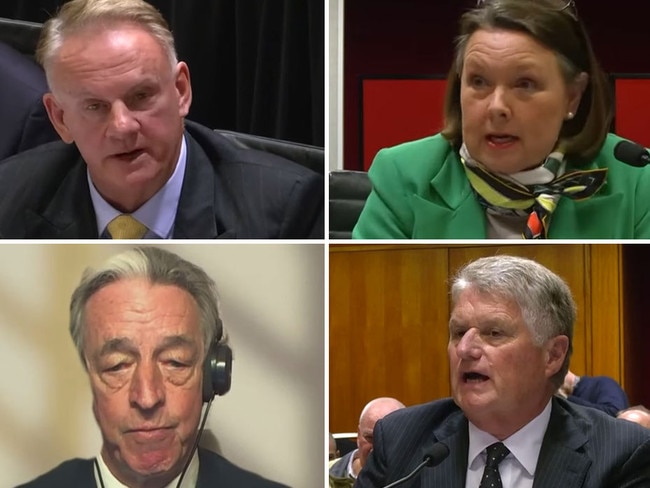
column 561, row 31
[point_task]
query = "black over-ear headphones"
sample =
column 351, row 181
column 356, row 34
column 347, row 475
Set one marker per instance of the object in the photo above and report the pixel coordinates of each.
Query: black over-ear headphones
column 217, row 367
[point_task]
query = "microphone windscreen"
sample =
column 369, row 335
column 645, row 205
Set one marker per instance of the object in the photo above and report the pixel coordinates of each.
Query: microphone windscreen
column 436, row 454
column 631, row 153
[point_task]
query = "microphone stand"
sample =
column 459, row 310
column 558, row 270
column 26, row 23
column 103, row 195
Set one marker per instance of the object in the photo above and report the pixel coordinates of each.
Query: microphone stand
column 427, row 460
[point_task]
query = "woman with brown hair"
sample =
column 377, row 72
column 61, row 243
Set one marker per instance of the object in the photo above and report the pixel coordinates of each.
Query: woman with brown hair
column 525, row 151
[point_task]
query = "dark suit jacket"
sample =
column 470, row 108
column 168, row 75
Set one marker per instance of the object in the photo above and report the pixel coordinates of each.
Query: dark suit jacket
column 582, row 448
column 228, row 192
column 23, row 121
column 214, row 470
column 601, row 392
column 340, row 467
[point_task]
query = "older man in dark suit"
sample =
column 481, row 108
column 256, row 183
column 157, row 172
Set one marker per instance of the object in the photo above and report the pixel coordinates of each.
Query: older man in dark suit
column 23, row 121
column 146, row 325
column 349, row 465
column 510, row 340
column 129, row 166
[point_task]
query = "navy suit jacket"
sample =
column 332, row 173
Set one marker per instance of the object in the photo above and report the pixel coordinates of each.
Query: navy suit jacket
column 582, row 448
column 23, row 121
column 228, row 192
column 601, row 392
column 214, row 470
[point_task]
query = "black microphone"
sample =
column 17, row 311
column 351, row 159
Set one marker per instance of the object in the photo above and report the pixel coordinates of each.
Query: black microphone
column 434, row 456
column 632, row 154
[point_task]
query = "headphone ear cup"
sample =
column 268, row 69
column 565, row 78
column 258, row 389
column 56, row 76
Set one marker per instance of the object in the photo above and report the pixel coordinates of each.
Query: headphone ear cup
column 217, row 371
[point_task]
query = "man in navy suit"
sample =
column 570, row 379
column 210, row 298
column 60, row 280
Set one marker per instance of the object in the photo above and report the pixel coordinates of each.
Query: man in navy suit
column 23, row 120
column 118, row 99
column 600, row 392
column 510, row 341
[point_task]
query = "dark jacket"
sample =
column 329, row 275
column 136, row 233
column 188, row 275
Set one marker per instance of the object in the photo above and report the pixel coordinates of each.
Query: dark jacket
column 23, row 120
column 582, row 448
column 214, row 470
column 228, row 192
column 600, row 392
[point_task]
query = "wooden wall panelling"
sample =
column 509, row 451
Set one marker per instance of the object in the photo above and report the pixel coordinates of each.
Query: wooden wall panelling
column 388, row 328
column 636, row 338
column 389, row 309
column 604, row 269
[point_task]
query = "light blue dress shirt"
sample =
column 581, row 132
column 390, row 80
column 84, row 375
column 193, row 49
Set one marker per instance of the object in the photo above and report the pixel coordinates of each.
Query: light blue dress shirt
column 158, row 213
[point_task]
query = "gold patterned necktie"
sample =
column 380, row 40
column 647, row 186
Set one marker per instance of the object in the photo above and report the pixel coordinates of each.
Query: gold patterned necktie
column 126, row 227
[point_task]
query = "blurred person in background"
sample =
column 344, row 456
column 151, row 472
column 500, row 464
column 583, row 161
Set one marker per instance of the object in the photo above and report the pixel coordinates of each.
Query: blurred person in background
column 638, row 414
column 348, row 466
column 600, row 392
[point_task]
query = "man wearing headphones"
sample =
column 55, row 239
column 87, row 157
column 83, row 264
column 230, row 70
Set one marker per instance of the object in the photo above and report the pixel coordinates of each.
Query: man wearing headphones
column 147, row 328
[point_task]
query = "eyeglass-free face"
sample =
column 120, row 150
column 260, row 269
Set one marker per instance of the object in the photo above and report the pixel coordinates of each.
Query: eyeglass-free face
column 514, row 99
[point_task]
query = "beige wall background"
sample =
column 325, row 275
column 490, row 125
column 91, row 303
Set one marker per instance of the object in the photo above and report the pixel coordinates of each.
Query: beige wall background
column 272, row 420
column 334, row 82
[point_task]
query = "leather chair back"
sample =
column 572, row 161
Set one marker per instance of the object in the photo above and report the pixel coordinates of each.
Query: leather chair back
column 20, row 34
column 312, row 157
column 348, row 193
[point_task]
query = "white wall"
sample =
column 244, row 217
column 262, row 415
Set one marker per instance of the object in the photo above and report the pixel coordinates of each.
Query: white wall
column 334, row 82
column 271, row 422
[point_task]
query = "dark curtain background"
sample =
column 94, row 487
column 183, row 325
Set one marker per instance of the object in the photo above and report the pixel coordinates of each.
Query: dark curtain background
column 257, row 66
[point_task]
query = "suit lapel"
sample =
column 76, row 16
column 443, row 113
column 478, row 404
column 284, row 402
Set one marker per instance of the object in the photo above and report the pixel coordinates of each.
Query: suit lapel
column 562, row 461
column 453, row 211
column 196, row 217
column 207, row 477
column 574, row 219
column 452, row 471
column 70, row 213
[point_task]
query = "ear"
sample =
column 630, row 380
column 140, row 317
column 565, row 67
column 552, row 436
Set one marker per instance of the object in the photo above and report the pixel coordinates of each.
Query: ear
column 576, row 90
column 55, row 113
column 556, row 350
column 184, row 88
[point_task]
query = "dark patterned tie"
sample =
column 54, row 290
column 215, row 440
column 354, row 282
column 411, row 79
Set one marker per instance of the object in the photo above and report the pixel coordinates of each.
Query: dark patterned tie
column 491, row 477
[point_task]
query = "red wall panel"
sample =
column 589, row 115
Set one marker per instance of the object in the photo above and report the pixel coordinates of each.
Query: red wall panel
column 633, row 109
column 396, row 111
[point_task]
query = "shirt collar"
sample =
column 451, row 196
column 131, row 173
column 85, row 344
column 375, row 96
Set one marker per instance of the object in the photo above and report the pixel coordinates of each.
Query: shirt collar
column 355, row 455
column 109, row 481
column 524, row 444
column 158, row 213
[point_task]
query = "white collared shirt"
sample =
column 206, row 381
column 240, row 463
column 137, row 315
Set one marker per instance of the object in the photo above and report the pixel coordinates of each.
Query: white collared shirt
column 355, row 454
column 517, row 470
column 158, row 213
column 110, row 481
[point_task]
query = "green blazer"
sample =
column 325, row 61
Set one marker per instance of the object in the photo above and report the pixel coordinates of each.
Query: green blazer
column 420, row 191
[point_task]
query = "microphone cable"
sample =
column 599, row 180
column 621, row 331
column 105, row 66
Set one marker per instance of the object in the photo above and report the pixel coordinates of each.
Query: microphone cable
column 189, row 459
column 196, row 443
